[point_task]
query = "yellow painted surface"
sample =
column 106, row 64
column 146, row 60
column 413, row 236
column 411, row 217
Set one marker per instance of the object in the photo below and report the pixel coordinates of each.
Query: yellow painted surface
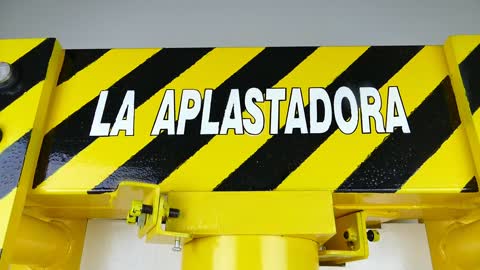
column 11, row 133
column 319, row 69
column 340, row 250
column 454, row 244
column 40, row 243
column 462, row 245
column 12, row 49
column 73, row 94
column 253, row 213
column 209, row 72
column 12, row 205
column 457, row 48
column 440, row 173
column 416, row 77
column 274, row 230
column 6, row 204
column 250, row 253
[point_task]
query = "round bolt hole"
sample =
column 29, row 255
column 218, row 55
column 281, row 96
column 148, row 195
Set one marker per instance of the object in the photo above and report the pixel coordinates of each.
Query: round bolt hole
column 5, row 72
column 8, row 76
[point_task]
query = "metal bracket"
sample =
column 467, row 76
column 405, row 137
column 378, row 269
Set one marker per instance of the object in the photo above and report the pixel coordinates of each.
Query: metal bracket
column 350, row 243
column 151, row 214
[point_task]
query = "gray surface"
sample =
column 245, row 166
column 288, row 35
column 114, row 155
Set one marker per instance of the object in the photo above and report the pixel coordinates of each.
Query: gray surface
column 180, row 23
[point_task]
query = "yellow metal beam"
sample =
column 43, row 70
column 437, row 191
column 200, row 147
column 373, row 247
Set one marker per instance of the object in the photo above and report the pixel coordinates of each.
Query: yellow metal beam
column 254, row 213
column 17, row 173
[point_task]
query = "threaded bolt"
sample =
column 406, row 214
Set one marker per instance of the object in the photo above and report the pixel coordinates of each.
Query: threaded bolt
column 177, row 247
column 173, row 213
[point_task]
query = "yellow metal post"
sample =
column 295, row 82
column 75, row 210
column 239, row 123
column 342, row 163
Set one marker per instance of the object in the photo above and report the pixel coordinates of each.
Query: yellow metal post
column 250, row 253
column 41, row 243
column 462, row 246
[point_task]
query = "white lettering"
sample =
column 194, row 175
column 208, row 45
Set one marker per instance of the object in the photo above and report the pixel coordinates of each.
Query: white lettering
column 347, row 126
column 254, row 126
column 233, row 108
column 316, row 94
column 125, row 116
column 394, row 104
column 275, row 95
column 98, row 128
column 296, row 107
column 166, row 115
column 188, row 112
column 371, row 109
column 208, row 128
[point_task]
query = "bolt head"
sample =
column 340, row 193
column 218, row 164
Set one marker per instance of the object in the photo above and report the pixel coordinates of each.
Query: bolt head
column 5, row 72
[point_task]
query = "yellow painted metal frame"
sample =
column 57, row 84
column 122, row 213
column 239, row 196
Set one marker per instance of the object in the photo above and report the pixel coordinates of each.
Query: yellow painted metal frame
column 34, row 105
column 457, row 48
column 260, row 213
column 340, row 248
column 251, row 252
column 300, row 216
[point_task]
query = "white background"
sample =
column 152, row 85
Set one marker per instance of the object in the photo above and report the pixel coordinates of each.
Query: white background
column 180, row 23
column 186, row 23
column 112, row 245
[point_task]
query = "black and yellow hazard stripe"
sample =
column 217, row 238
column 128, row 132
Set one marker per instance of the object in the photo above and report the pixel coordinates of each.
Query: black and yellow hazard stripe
column 263, row 71
column 77, row 60
column 31, row 69
column 469, row 70
column 392, row 163
column 11, row 160
column 209, row 72
column 23, row 107
column 471, row 186
column 332, row 161
column 463, row 59
column 146, row 79
column 320, row 68
column 373, row 68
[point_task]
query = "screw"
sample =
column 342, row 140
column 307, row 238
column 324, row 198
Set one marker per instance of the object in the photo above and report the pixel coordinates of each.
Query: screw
column 173, row 213
column 147, row 209
column 141, row 220
column 373, row 235
column 6, row 73
column 176, row 246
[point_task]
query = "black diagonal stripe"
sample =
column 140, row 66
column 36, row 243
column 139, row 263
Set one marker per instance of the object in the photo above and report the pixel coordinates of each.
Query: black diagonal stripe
column 282, row 154
column 471, row 186
column 164, row 154
column 11, row 164
column 470, row 71
column 392, row 163
column 30, row 69
column 72, row 135
column 76, row 60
